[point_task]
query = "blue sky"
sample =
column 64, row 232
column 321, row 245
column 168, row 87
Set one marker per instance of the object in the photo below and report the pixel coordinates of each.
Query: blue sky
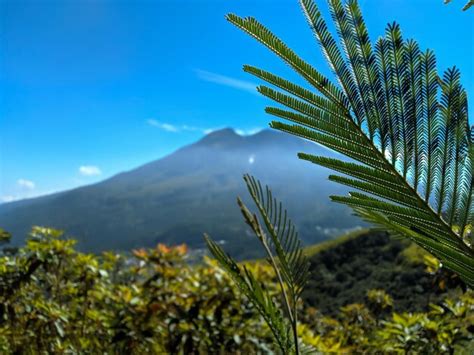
column 91, row 88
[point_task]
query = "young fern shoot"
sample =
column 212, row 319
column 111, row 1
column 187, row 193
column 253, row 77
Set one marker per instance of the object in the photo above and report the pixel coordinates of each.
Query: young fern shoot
column 279, row 239
column 405, row 128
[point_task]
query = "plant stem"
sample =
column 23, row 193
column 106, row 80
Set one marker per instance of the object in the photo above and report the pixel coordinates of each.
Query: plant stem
column 295, row 327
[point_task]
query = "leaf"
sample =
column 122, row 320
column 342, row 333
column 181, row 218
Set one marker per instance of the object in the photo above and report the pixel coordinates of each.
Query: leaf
column 255, row 293
column 283, row 238
column 406, row 129
column 280, row 241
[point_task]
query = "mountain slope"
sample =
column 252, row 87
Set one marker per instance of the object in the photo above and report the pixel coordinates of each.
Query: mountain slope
column 191, row 191
column 345, row 268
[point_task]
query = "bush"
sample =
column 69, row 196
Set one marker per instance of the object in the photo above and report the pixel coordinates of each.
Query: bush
column 54, row 299
column 57, row 300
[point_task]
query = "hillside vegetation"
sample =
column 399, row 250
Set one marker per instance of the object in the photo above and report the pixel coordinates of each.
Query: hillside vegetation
column 56, row 300
column 344, row 269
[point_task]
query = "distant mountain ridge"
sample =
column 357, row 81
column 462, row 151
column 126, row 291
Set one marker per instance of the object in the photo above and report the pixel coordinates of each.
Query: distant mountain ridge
column 191, row 191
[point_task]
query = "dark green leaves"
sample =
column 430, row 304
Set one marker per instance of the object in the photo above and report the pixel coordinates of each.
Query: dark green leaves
column 405, row 128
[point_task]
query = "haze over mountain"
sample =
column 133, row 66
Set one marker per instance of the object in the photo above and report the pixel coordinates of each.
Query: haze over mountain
column 191, row 191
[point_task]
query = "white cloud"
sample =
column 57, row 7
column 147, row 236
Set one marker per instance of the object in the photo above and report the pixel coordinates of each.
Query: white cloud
column 226, row 81
column 8, row 198
column 247, row 132
column 89, row 170
column 164, row 126
column 177, row 128
column 26, row 184
column 191, row 128
column 185, row 128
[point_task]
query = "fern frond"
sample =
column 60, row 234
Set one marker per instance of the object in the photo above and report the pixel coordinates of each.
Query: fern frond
column 412, row 97
column 319, row 102
column 280, row 241
column 388, row 124
column 372, row 87
column 315, row 78
column 466, row 213
column 449, row 256
column 430, row 111
column 406, row 128
column 345, row 31
column 332, row 53
column 256, row 293
column 468, row 5
column 283, row 238
column 397, row 72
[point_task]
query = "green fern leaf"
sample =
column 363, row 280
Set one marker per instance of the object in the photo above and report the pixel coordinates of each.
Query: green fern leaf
column 256, row 293
column 283, row 238
column 405, row 128
column 279, row 238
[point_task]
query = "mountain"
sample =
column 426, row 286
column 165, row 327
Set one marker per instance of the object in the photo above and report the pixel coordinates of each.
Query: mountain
column 191, row 191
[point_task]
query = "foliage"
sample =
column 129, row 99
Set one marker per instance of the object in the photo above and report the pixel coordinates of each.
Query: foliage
column 343, row 273
column 56, row 300
column 405, row 128
column 284, row 254
column 359, row 328
column 373, row 324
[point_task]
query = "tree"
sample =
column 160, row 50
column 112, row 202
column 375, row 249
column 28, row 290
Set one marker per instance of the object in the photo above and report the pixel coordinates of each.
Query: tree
column 405, row 129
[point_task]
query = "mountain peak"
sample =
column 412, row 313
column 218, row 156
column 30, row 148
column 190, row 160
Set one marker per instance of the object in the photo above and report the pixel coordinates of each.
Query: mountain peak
column 222, row 133
column 220, row 137
column 228, row 132
column 229, row 138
